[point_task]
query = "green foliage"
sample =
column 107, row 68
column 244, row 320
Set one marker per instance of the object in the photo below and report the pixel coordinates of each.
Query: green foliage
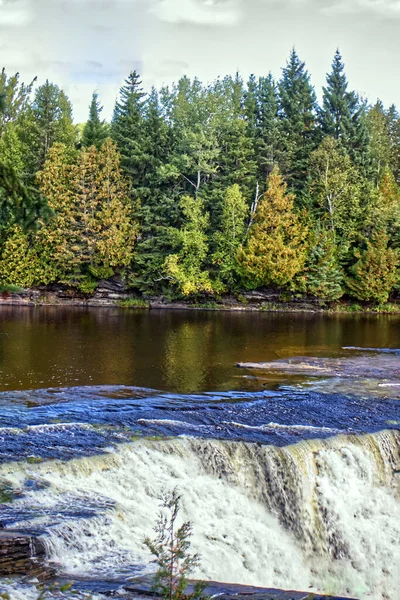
column 342, row 113
column 179, row 207
column 95, row 131
column 297, row 110
column 376, row 271
column 50, row 122
column 324, row 277
column 186, row 268
column 171, row 551
column 336, row 188
column 230, row 236
column 134, row 303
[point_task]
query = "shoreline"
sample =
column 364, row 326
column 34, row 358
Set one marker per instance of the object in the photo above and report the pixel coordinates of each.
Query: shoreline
column 268, row 301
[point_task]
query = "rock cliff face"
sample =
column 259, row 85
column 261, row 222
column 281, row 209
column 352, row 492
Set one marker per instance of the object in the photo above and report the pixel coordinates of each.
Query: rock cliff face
column 112, row 293
column 21, row 554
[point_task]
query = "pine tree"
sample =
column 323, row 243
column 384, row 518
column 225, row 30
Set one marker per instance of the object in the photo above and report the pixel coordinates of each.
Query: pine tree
column 95, row 131
column 342, row 114
column 159, row 202
column 276, row 248
column 297, row 110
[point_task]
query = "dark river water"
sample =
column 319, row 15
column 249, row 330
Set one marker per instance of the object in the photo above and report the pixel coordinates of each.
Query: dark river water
column 176, row 351
column 288, row 465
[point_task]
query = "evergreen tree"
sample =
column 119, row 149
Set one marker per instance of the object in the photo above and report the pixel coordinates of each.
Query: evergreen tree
column 171, row 549
column 376, row 272
column 127, row 130
column 95, row 131
column 324, row 277
column 276, row 248
column 268, row 140
column 297, row 110
column 341, row 116
column 394, row 135
column 50, row 122
column 19, row 262
column 159, row 203
column 91, row 233
column 14, row 99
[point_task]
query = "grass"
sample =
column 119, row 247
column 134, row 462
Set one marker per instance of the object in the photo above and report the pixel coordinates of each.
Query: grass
column 210, row 305
column 358, row 308
column 133, row 303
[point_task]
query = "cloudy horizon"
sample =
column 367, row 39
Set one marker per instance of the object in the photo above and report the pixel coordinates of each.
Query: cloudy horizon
column 83, row 45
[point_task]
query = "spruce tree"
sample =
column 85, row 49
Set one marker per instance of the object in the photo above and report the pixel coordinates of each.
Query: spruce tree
column 394, row 135
column 51, row 121
column 297, row 110
column 324, row 277
column 342, row 114
column 96, row 130
column 127, row 130
column 268, row 128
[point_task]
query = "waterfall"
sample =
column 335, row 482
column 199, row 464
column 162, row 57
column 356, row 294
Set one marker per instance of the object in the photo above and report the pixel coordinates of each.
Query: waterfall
column 323, row 515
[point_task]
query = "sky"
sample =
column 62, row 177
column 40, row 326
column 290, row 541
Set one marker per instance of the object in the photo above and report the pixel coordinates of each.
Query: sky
column 87, row 45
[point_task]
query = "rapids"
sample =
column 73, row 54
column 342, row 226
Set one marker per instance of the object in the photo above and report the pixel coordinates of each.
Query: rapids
column 289, row 472
column 323, row 515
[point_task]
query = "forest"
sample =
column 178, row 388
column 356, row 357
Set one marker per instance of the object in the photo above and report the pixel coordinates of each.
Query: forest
column 202, row 190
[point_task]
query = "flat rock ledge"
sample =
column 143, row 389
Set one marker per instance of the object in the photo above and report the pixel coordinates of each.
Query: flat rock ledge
column 143, row 586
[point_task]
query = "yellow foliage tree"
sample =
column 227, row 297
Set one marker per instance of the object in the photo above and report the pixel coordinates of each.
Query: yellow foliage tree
column 92, row 231
column 276, row 247
column 19, row 264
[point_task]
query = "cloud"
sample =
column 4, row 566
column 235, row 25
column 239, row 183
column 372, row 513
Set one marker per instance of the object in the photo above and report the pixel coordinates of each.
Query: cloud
column 226, row 13
column 386, row 8
column 14, row 14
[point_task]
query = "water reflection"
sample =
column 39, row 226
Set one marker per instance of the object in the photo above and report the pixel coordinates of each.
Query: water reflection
column 172, row 350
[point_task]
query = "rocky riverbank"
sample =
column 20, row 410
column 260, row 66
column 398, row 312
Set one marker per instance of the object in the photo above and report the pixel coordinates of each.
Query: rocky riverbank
column 111, row 293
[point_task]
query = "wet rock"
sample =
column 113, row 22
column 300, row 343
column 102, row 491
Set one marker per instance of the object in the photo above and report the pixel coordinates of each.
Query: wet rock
column 143, row 586
column 21, row 554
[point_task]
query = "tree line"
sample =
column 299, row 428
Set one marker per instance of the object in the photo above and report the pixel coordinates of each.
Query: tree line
column 203, row 189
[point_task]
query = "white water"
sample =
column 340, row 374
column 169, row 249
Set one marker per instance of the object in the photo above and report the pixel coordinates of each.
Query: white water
column 320, row 514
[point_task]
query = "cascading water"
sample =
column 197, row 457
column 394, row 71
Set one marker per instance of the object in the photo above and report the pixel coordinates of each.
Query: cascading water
column 323, row 515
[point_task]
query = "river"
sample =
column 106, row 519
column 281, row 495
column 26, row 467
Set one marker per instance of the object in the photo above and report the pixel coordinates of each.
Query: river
column 288, row 470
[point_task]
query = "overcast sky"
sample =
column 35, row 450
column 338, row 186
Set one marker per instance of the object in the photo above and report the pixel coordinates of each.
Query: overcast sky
column 84, row 45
